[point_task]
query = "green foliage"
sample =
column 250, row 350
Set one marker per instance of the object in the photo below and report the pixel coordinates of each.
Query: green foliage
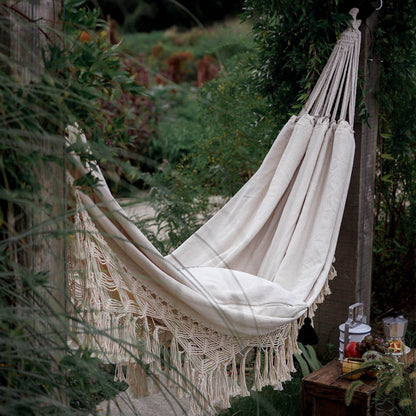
column 394, row 280
column 295, row 40
column 221, row 41
column 269, row 402
column 102, row 94
column 396, row 385
column 175, row 107
column 227, row 128
column 235, row 133
column 351, row 389
column 307, row 360
column 88, row 380
column 39, row 373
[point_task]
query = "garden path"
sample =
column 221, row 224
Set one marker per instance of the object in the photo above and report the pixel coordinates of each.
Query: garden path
column 154, row 405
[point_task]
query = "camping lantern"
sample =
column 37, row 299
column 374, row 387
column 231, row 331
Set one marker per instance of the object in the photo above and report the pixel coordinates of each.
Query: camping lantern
column 354, row 329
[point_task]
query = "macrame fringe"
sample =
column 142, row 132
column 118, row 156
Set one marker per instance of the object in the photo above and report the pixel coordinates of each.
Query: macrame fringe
column 149, row 342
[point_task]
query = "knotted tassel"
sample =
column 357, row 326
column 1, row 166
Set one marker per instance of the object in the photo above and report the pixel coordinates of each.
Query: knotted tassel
column 243, row 383
column 136, row 379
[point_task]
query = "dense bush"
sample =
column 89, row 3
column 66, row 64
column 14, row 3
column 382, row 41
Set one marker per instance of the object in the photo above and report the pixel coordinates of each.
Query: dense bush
column 394, row 280
column 295, row 40
column 40, row 374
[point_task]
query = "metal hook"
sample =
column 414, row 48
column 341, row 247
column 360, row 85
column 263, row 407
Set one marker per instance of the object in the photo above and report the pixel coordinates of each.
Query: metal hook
column 381, row 5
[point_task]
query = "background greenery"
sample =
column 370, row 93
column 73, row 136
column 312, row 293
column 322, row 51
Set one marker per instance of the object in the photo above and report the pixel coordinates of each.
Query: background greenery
column 237, row 116
column 149, row 15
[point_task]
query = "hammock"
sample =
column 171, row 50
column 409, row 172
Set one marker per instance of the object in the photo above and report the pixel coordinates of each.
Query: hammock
column 244, row 281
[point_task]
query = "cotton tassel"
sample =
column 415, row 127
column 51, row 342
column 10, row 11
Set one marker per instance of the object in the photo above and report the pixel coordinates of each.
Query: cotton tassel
column 216, row 387
column 187, row 374
column 234, row 388
column 136, row 379
column 176, row 365
column 257, row 371
column 292, row 346
column 284, row 367
column 242, row 376
column 199, row 402
column 148, row 341
column 156, row 350
column 265, row 378
column 279, row 365
column 210, row 388
column 119, row 373
column 288, row 365
column 209, row 394
column 274, row 368
column 155, row 377
column 167, row 367
column 224, row 393
column 272, row 371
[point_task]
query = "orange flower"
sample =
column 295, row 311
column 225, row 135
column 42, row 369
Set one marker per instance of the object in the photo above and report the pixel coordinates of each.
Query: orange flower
column 84, row 36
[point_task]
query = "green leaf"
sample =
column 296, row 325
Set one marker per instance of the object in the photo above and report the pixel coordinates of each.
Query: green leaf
column 386, row 178
column 303, row 365
column 314, row 362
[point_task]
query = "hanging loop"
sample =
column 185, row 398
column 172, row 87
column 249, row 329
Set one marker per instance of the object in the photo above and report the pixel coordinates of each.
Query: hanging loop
column 381, row 5
column 334, row 94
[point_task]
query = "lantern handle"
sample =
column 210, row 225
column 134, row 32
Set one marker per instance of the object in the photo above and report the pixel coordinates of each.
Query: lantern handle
column 356, row 314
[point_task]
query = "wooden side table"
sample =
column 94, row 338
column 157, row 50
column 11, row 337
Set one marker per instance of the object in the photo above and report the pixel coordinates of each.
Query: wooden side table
column 323, row 394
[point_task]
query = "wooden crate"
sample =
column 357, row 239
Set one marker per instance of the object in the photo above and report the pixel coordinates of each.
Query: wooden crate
column 323, row 393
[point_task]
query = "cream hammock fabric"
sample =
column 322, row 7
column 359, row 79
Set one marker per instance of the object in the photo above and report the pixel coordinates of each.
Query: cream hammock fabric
column 244, row 281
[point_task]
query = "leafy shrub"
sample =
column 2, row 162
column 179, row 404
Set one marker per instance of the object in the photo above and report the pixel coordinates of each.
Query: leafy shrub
column 228, row 131
column 295, row 40
column 39, row 373
column 269, row 402
column 394, row 280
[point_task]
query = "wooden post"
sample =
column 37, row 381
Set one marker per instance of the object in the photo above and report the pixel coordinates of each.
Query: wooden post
column 355, row 244
column 4, row 37
column 32, row 24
